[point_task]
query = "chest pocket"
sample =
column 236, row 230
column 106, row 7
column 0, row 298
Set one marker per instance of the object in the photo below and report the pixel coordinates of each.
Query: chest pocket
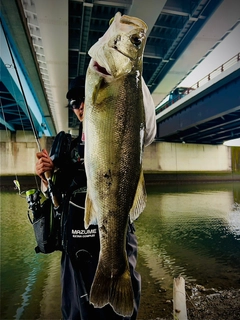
column 76, row 237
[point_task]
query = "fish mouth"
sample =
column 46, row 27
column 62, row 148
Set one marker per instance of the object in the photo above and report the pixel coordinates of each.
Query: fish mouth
column 100, row 69
column 103, row 70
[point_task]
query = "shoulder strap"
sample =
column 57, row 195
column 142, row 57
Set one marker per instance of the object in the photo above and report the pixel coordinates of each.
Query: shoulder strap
column 60, row 148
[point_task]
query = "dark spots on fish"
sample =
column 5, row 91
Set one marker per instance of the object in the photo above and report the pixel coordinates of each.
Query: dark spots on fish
column 118, row 38
column 103, row 228
column 108, row 177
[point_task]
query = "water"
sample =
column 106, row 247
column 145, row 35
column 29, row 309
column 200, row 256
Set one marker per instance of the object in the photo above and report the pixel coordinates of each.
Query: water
column 30, row 282
column 192, row 230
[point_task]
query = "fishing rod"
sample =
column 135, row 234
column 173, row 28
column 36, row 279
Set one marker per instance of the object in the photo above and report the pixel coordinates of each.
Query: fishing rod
column 48, row 174
column 24, row 96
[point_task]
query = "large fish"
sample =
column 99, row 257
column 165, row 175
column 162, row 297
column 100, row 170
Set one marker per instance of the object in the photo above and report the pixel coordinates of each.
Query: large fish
column 114, row 124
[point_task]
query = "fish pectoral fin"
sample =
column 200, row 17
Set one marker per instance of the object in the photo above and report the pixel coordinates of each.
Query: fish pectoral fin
column 90, row 216
column 116, row 291
column 140, row 199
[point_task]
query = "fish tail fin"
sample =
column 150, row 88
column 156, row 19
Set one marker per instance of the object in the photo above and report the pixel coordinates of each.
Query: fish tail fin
column 121, row 298
column 117, row 291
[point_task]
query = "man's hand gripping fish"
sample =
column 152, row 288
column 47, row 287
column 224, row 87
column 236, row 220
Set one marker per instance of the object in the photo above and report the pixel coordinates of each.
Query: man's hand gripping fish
column 114, row 122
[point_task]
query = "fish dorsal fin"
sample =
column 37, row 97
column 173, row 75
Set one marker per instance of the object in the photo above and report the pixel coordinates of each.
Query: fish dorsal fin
column 90, row 216
column 140, row 199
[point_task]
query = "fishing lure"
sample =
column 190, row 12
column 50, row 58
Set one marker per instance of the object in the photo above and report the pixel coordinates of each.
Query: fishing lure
column 17, row 186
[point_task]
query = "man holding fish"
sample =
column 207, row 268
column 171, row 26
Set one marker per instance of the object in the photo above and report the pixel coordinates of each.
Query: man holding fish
column 99, row 280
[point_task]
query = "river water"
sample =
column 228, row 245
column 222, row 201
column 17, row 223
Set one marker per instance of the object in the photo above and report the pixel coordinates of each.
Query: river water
column 191, row 230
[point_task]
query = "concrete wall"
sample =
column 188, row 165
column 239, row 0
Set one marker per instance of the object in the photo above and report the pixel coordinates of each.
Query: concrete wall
column 235, row 159
column 164, row 156
column 18, row 156
column 18, row 152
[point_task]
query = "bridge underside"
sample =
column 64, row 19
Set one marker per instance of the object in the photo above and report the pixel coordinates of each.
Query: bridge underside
column 212, row 119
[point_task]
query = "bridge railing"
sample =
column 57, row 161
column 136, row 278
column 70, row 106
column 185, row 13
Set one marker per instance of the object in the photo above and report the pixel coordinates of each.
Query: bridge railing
column 235, row 59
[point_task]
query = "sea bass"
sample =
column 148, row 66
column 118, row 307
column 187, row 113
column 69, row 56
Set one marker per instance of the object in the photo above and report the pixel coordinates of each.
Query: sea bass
column 114, row 125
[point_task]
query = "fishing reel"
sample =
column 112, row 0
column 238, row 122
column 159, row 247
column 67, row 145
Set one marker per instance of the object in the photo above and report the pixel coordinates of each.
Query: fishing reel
column 33, row 200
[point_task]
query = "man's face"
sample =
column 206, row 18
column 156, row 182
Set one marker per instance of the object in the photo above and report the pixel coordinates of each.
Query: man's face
column 77, row 105
column 79, row 112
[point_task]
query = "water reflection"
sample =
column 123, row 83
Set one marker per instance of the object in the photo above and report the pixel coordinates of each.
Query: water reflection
column 192, row 230
column 25, row 276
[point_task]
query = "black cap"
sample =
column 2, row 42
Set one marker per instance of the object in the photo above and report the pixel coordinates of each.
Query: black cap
column 76, row 88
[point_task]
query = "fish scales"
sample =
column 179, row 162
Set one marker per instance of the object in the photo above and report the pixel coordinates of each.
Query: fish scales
column 114, row 122
column 117, row 160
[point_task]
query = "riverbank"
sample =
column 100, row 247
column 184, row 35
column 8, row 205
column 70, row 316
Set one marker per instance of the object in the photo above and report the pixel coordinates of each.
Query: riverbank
column 189, row 177
column 31, row 181
column 202, row 304
column 212, row 304
column 26, row 182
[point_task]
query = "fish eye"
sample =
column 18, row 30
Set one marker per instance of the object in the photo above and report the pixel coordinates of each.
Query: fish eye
column 136, row 40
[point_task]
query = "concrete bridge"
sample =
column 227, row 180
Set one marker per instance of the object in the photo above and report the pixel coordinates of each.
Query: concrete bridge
column 43, row 49
column 48, row 48
column 209, row 113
